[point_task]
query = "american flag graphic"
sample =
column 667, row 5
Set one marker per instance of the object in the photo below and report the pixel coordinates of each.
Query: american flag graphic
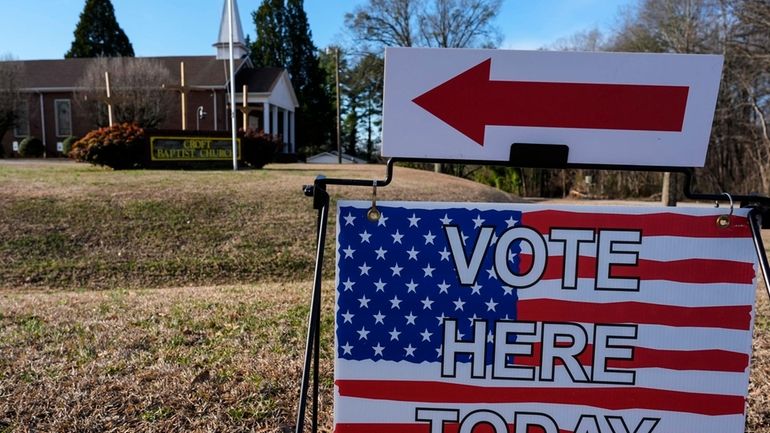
column 640, row 319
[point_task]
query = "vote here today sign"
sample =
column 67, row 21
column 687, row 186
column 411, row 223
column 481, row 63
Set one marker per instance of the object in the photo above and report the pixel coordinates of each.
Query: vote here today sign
column 524, row 318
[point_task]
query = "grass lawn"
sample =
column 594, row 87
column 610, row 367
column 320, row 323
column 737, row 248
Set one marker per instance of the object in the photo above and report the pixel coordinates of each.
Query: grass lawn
column 177, row 301
column 72, row 226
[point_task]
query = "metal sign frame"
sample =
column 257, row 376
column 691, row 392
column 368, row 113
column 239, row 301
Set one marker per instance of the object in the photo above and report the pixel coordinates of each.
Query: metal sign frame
column 521, row 155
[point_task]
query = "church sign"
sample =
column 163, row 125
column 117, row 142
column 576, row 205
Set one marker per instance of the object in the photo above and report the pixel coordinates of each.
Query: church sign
column 192, row 149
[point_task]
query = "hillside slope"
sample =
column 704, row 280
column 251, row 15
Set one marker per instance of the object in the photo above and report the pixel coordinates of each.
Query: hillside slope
column 66, row 225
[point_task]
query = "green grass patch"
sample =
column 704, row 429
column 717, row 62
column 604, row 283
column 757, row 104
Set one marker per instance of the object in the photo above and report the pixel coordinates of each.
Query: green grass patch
column 72, row 226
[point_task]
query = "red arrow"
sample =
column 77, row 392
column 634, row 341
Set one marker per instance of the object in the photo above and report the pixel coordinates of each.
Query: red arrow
column 471, row 101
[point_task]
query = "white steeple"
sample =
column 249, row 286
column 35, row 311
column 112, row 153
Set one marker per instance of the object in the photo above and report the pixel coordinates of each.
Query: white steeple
column 223, row 42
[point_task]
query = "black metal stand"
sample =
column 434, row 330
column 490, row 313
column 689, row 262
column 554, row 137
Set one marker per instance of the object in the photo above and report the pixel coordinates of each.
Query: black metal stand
column 521, row 155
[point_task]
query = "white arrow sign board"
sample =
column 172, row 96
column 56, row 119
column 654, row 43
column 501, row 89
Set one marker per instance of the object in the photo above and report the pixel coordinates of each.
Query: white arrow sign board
column 608, row 108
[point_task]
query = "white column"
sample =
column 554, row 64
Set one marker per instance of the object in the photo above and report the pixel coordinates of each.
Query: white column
column 292, row 136
column 266, row 116
column 274, row 125
column 286, row 146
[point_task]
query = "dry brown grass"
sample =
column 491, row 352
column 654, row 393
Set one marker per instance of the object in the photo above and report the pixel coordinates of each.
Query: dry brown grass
column 184, row 360
column 166, row 360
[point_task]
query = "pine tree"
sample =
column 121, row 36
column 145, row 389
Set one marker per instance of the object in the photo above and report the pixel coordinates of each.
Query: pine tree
column 270, row 48
column 315, row 115
column 284, row 40
column 98, row 33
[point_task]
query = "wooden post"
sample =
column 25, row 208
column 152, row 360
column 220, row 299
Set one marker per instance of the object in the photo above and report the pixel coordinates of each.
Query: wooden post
column 109, row 103
column 245, row 107
column 184, row 99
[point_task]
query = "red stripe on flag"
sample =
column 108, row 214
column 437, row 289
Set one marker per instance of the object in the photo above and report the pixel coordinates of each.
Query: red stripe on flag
column 701, row 271
column 703, row 360
column 607, row 398
column 656, row 224
column 550, row 310
column 420, row 428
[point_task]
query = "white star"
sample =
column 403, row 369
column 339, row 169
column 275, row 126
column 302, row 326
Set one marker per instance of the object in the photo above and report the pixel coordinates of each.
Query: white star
column 364, row 302
column 490, row 337
column 426, row 335
column 494, row 239
column 364, row 269
column 378, row 349
column 347, row 348
column 410, row 350
column 477, row 222
column 511, row 222
column 492, row 274
column 459, row 304
column 413, row 254
column 428, row 270
column 429, row 238
column 348, row 285
column 378, row 318
column 439, row 350
column 512, row 256
column 349, row 219
column 348, row 316
column 380, row 285
column 395, row 303
column 508, row 290
column 476, row 289
column 441, row 319
column 348, row 252
column 443, row 287
column 394, row 334
column 397, row 237
column 365, row 237
column 426, row 303
column 491, row 305
column 396, row 270
column 506, row 317
column 362, row 333
column 410, row 318
column 464, row 236
column 473, row 319
column 446, row 220
column 444, row 254
column 411, row 286
column 413, row 220
column 380, row 253
column 382, row 220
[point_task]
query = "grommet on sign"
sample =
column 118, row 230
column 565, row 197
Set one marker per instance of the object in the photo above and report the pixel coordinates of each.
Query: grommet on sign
column 373, row 214
column 723, row 221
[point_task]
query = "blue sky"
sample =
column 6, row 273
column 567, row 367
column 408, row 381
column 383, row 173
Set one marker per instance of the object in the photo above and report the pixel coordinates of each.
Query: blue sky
column 43, row 29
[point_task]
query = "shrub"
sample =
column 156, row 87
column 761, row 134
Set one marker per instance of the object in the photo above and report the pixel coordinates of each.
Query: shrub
column 67, row 144
column 120, row 146
column 258, row 148
column 31, row 147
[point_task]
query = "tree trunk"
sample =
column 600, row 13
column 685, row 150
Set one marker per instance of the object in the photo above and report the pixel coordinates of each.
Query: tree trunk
column 669, row 190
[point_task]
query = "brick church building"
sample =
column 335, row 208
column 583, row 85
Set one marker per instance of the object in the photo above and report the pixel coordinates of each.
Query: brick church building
column 49, row 87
